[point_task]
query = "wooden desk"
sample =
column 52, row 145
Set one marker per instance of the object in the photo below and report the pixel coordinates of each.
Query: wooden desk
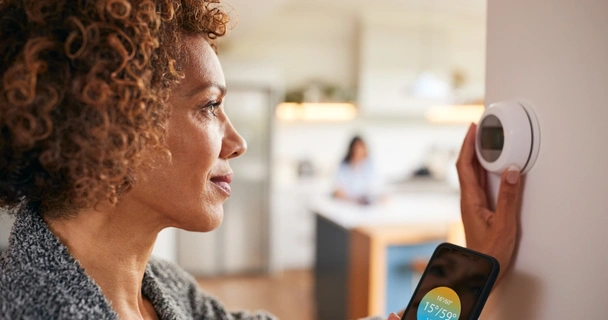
column 353, row 244
column 367, row 272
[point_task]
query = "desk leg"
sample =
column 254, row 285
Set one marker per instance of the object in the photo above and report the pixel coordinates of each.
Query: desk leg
column 367, row 274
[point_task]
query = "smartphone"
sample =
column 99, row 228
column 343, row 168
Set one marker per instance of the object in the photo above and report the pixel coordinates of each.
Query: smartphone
column 454, row 286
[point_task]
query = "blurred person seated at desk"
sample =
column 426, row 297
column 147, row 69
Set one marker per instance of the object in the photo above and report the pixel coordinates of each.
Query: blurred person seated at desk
column 356, row 179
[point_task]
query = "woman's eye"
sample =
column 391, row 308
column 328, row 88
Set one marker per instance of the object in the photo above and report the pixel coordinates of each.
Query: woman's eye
column 211, row 108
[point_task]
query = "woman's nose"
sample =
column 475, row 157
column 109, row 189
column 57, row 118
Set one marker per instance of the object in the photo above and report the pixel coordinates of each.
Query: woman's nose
column 233, row 145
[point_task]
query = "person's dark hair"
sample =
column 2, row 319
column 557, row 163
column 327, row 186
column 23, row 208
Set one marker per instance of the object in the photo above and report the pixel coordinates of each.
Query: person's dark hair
column 83, row 91
column 351, row 146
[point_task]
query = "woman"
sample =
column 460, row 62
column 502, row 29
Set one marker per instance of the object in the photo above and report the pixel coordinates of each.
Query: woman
column 356, row 179
column 112, row 129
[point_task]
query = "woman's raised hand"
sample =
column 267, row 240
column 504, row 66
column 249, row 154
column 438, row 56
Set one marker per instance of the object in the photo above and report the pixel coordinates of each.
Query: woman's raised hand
column 493, row 232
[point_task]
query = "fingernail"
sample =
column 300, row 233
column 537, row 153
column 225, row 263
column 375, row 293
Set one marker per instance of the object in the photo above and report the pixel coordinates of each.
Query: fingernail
column 393, row 316
column 513, row 174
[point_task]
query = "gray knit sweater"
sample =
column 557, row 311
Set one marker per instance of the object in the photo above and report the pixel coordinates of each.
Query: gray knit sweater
column 39, row 279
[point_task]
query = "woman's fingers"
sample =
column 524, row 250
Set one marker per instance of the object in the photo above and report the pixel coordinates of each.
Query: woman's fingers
column 504, row 221
column 466, row 171
column 482, row 174
column 470, row 172
column 394, row 316
column 507, row 204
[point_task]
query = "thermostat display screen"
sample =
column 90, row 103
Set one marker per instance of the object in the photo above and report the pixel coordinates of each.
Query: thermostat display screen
column 492, row 138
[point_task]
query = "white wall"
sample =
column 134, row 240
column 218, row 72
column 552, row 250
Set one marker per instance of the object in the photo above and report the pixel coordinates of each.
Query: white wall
column 6, row 223
column 555, row 54
column 165, row 246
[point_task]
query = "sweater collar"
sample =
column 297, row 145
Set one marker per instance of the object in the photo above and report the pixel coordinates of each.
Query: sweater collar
column 32, row 242
column 33, row 246
column 34, row 249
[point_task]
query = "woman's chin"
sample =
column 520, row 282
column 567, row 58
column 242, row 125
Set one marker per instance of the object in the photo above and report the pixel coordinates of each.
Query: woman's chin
column 210, row 220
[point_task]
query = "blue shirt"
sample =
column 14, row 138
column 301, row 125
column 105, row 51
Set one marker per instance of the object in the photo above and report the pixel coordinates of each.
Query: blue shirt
column 357, row 181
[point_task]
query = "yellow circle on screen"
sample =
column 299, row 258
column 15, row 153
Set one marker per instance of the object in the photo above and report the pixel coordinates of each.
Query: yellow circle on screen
column 441, row 303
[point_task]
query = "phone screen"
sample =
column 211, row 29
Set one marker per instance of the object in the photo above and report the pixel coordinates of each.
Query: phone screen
column 454, row 286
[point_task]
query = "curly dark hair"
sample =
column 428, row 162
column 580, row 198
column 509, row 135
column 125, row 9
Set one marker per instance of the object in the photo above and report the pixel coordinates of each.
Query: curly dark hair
column 83, row 93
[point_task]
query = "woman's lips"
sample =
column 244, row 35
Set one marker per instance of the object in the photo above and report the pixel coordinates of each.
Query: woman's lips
column 223, row 182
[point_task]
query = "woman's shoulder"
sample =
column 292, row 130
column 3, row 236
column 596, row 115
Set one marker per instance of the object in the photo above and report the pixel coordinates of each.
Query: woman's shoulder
column 39, row 279
column 31, row 292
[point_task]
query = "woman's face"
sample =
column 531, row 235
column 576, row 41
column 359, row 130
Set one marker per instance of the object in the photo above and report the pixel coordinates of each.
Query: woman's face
column 189, row 192
column 359, row 152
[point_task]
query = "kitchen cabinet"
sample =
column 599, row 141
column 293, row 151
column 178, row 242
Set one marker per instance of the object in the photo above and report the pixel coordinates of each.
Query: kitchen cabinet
column 391, row 59
column 293, row 227
column 407, row 66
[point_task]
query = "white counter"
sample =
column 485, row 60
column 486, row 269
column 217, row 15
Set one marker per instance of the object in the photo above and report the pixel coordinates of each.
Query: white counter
column 415, row 208
column 293, row 208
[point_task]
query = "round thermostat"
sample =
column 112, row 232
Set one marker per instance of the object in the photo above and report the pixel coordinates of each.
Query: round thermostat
column 508, row 134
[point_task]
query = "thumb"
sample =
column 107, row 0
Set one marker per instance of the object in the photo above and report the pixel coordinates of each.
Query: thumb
column 508, row 195
column 394, row 316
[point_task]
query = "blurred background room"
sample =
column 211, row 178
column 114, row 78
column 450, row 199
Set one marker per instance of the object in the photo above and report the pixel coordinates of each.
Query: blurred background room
column 305, row 77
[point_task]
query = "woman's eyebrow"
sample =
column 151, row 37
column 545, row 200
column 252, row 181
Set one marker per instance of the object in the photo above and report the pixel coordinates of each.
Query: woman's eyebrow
column 206, row 85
